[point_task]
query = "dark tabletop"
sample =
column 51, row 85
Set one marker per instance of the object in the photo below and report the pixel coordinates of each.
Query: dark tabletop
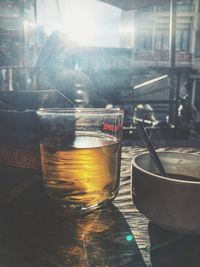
column 34, row 231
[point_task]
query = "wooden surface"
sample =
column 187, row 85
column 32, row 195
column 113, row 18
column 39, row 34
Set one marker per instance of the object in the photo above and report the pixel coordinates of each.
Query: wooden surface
column 34, row 231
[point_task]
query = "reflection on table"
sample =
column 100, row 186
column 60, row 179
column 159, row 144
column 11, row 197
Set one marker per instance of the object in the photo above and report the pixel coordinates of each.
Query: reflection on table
column 40, row 233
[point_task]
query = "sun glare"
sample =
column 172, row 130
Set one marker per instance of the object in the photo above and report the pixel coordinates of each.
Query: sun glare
column 88, row 22
column 79, row 24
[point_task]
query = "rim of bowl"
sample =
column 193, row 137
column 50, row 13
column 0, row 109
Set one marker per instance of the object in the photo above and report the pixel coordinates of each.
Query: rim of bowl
column 157, row 176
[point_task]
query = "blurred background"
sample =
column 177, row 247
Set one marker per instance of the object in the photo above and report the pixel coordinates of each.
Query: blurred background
column 141, row 56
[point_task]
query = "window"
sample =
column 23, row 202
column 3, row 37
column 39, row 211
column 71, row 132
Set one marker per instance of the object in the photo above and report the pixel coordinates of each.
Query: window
column 147, row 9
column 182, row 39
column 144, row 40
column 162, row 39
column 185, row 6
column 164, row 7
column 88, row 22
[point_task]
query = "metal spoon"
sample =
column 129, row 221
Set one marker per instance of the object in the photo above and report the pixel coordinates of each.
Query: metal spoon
column 143, row 134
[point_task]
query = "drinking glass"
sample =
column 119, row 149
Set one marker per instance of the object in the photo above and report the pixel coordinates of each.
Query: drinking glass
column 80, row 156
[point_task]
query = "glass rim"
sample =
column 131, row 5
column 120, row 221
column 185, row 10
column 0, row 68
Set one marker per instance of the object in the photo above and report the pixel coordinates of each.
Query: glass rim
column 81, row 110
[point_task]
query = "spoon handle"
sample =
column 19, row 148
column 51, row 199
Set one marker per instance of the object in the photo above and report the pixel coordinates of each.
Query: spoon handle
column 142, row 132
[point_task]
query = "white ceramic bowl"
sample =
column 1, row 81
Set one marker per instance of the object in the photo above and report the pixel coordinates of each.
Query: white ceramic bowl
column 168, row 202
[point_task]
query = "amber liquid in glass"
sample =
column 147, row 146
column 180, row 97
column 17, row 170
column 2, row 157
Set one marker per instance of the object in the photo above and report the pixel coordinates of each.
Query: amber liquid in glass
column 86, row 173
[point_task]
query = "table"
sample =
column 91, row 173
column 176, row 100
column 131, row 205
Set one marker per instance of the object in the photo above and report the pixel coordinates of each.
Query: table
column 34, row 231
column 159, row 247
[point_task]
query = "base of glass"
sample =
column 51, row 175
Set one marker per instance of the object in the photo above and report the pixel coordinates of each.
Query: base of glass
column 77, row 209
